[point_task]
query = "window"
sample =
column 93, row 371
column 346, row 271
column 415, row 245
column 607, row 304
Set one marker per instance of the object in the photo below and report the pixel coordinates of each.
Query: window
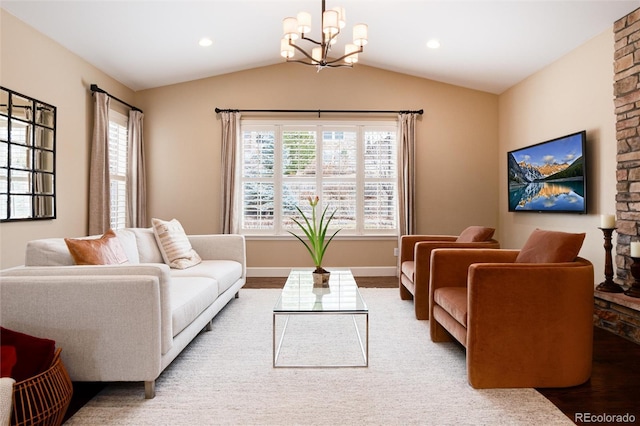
column 118, row 139
column 351, row 167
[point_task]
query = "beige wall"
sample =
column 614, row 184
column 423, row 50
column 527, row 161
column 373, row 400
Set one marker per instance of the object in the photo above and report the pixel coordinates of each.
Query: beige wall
column 462, row 141
column 461, row 173
column 575, row 93
column 456, row 151
column 32, row 64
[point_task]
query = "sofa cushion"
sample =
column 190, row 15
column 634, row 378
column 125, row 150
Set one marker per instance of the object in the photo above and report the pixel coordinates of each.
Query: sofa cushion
column 174, row 245
column 474, row 234
column 225, row 272
column 190, row 296
column 550, row 247
column 48, row 252
column 128, row 241
column 454, row 301
column 54, row 251
column 105, row 250
column 148, row 250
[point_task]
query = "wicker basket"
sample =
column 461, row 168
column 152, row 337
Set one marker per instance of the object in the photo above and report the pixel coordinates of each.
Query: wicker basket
column 43, row 399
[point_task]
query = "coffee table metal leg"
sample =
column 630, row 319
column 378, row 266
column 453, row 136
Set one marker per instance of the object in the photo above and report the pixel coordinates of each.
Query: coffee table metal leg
column 364, row 346
column 276, row 351
column 365, row 351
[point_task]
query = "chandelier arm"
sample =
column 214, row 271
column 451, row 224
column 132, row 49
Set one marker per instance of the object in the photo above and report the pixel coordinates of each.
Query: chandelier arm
column 324, row 65
column 326, row 47
column 332, row 65
column 346, row 56
column 301, row 50
column 300, row 61
column 303, row 37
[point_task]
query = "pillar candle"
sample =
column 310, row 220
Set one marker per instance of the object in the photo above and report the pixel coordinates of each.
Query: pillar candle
column 635, row 249
column 607, row 221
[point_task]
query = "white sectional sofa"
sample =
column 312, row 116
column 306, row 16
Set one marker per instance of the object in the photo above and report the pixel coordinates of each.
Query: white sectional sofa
column 121, row 322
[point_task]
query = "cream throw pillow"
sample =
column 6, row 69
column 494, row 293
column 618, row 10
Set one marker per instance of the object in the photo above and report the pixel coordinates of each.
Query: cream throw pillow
column 174, row 245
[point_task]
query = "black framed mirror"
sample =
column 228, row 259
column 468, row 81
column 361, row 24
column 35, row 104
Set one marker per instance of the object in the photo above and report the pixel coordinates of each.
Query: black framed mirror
column 27, row 158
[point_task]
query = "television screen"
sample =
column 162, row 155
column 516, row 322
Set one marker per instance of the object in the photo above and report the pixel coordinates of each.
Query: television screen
column 549, row 176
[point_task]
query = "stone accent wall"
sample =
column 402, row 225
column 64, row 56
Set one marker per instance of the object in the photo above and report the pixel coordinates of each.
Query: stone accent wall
column 617, row 312
column 627, row 109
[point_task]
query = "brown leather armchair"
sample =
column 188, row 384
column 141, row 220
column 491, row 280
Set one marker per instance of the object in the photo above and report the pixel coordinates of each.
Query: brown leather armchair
column 415, row 257
column 523, row 324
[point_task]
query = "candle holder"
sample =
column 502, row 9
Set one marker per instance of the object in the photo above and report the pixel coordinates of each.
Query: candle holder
column 608, row 286
column 634, row 290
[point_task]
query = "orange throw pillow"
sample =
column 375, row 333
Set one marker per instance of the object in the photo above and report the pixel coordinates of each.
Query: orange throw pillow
column 105, row 250
column 550, row 247
column 474, row 234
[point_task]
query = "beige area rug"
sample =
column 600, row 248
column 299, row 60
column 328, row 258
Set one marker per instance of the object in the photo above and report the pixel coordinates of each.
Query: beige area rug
column 225, row 377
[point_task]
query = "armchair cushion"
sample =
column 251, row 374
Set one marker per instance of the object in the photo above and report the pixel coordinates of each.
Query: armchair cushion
column 550, row 247
column 408, row 268
column 475, row 233
column 454, row 301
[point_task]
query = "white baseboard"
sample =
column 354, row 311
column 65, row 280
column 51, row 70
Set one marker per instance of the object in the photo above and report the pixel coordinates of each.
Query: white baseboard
column 358, row 271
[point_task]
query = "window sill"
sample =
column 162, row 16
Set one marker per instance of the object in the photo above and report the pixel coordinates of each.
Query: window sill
column 338, row 237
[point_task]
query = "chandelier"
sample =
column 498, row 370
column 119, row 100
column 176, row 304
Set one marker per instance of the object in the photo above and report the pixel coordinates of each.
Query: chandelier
column 333, row 22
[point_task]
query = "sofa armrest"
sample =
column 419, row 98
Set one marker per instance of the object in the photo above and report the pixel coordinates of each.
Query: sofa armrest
column 160, row 270
column 408, row 242
column 530, row 314
column 30, row 274
column 221, row 247
column 109, row 327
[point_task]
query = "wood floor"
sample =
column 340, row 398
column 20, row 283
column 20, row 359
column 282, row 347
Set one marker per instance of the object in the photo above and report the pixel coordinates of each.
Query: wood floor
column 613, row 389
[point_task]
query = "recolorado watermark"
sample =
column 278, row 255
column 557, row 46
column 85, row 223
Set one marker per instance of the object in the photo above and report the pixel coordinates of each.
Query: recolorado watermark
column 603, row 418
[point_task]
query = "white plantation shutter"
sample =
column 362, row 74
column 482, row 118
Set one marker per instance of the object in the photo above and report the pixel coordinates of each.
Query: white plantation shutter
column 298, row 153
column 257, row 180
column 118, row 168
column 380, row 165
column 298, row 174
column 351, row 167
column 339, row 173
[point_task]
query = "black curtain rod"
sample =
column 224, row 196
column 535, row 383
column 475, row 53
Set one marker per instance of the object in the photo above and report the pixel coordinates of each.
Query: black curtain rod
column 95, row 88
column 320, row 111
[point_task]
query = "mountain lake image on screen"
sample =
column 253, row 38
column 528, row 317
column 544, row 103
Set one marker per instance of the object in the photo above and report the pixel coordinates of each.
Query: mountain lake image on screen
column 549, row 176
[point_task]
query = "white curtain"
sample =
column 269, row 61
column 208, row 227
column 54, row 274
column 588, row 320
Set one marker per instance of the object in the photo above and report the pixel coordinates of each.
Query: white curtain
column 136, row 175
column 99, row 199
column 406, row 173
column 230, row 140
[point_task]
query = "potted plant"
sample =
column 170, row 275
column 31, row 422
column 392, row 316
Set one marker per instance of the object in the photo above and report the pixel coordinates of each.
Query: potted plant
column 316, row 232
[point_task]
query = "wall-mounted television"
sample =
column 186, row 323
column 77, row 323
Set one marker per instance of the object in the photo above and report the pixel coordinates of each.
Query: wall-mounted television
column 549, row 176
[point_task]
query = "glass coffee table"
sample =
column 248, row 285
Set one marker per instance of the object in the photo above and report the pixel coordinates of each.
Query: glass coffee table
column 300, row 298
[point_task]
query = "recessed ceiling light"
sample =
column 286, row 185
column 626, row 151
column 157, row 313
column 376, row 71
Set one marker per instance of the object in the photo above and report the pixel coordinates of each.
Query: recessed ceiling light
column 204, row 42
column 433, row 44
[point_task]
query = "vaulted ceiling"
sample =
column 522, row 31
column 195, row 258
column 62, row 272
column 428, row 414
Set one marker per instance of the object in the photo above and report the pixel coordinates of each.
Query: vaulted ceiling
column 485, row 45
